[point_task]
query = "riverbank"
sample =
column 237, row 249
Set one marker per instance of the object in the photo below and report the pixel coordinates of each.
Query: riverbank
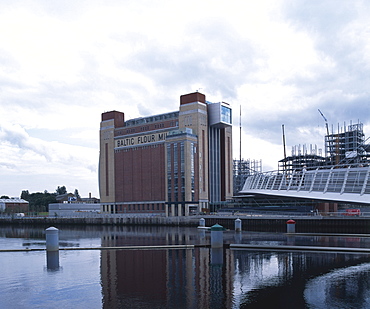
column 103, row 220
column 313, row 224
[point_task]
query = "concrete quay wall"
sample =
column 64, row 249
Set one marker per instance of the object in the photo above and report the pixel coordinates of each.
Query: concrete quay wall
column 260, row 224
column 103, row 220
column 303, row 225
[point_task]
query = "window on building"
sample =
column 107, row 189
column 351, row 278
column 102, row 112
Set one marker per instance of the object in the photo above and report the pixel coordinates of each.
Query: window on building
column 182, row 170
column 175, row 171
column 169, row 173
column 225, row 114
column 192, row 170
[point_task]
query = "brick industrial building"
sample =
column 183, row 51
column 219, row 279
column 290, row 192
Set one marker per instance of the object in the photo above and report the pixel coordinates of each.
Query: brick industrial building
column 14, row 205
column 173, row 163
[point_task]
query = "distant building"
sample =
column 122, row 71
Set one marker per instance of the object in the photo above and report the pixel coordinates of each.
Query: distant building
column 174, row 163
column 73, row 209
column 65, row 198
column 14, row 205
column 90, row 200
column 242, row 169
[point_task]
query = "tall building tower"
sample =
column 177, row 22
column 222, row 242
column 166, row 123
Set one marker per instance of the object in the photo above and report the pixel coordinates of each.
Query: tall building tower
column 220, row 152
column 174, row 163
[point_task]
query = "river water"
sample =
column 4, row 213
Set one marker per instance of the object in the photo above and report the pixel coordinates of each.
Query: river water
column 178, row 278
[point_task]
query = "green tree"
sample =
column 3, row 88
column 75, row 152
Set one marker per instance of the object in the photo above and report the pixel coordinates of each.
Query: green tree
column 25, row 194
column 38, row 201
column 4, row 196
column 77, row 195
column 61, row 190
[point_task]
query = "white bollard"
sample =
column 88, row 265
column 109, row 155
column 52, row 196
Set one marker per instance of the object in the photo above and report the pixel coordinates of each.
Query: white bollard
column 217, row 236
column 52, row 239
column 202, row 222
column 238, row 238
column 238, row 225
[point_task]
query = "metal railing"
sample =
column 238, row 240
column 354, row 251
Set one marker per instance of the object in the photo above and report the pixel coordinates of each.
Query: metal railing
column 336, row 179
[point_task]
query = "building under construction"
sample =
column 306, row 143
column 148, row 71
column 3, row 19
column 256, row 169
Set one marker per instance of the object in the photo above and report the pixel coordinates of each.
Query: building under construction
column 242, row 169
column 302, row 157
column 347, row 146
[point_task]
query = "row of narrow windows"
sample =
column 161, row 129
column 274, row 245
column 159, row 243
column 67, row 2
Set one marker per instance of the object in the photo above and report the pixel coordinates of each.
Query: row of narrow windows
column 148, row 127
column 137, row 148
column 133, row 208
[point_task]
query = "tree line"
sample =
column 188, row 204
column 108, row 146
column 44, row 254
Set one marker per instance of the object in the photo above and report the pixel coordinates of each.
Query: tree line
column 39, row 201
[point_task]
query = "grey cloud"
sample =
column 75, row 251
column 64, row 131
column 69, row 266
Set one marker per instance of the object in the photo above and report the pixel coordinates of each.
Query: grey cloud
column 339, row 90
column 330, row 23
column 337, row 110
column 18, row 137
column 8, row 165
column 92, row 168
column 212, row 55
column 7, row 62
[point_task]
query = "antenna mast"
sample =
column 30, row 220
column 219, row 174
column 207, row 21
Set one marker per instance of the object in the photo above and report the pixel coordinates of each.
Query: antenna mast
column 284, row 148
column 240, row 138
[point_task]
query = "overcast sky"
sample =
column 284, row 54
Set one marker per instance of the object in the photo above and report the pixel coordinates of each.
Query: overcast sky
column 63, row 63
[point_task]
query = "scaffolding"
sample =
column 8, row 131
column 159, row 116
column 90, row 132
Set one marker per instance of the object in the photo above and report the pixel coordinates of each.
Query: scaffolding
column 347, row 145
column 242, row 169
column 302, row 157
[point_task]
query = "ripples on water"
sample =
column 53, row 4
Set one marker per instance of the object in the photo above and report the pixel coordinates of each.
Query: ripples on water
column 182, row 278
column 342, row 288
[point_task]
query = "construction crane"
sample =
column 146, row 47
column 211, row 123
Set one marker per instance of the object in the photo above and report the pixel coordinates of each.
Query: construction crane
column 327, row 149
column 331, row 144
column 326, row 122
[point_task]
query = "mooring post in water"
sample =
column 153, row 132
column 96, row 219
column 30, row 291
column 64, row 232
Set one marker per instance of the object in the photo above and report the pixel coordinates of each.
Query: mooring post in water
column 52, row 239
column 202, row 222
column 217, row 236
column 290, row 226
column 52, row 260
column 217, row 256
column 238, row 225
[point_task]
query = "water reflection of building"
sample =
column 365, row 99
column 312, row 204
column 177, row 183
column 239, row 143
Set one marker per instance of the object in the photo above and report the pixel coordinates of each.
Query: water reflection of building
column 278, row 279
column 174, row 278
column 192, row 278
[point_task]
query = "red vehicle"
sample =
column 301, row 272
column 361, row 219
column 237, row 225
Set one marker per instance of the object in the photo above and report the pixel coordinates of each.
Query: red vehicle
column 353, row 212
